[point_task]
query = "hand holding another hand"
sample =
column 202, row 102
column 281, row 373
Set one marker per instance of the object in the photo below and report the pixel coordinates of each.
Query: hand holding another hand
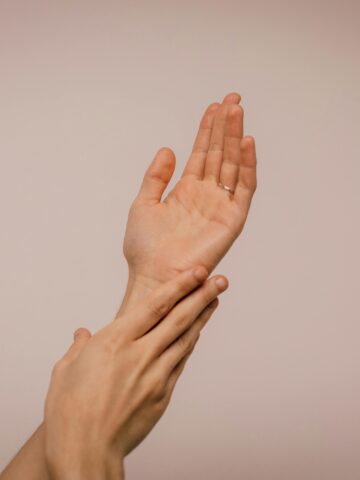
column 110, row 389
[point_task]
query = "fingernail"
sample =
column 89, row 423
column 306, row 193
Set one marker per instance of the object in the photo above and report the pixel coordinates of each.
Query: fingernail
column 200, row 273
column 221, row 282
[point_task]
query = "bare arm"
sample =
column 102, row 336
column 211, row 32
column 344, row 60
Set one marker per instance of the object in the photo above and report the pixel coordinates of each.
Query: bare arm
column 110, row 389
column 195, row 225
column 29, row 462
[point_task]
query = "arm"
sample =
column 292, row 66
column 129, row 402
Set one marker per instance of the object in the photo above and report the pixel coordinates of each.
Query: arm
column 29, row 462
column 109, row 390
column 196, row 224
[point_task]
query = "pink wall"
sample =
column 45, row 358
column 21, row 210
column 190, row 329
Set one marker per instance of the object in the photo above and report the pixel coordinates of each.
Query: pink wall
column 89, row 90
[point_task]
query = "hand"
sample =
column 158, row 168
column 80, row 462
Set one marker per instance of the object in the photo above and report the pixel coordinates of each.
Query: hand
column 110, row 389
column 199, row 220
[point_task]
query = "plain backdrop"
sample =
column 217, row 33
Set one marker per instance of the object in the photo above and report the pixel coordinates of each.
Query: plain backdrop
column 89, row 91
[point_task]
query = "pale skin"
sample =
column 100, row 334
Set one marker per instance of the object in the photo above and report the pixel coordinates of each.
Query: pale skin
column 193, row 226
column 198, row 221
column 95, row 415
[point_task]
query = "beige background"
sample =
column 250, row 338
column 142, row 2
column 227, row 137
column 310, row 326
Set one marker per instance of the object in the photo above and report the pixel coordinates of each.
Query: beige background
column 89, row 91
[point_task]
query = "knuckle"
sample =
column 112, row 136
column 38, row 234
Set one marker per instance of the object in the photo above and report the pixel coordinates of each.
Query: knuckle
column 216, row 147
column 160, row 405
column 197, row 149
column 158, row 306
column 180, row 320
column 58, row 367
column 158, row 390
column 192, row 343
column 185, row 342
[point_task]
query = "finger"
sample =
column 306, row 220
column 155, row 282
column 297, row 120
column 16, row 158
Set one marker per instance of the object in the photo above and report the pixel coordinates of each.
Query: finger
column 158, row 303
column 185, row 343
column 232, row 97
column 247, row 182
column 175, row 374
column 157, row 176
column 216, row 148
column 196, row 162
column 183, row 316
column 233, row 134
column 81, row 338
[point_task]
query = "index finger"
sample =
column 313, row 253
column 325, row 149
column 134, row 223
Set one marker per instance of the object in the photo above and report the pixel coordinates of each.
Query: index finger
column 159, row 302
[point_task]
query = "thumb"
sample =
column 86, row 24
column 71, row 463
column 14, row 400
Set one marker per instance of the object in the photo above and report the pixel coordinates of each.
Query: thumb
column 157, row 176
column 81, row 337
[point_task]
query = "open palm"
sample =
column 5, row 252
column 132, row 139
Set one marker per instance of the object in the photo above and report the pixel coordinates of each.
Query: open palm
column 199, row 220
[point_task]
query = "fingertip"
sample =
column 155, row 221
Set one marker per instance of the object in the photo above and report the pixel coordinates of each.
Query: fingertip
column 213, row 107
column 157, row 176
column 82, row 333
column 234, row 110
column 164, row 164
column 222, row 282
column 232, row 97
column 165, row 151
column 248, row 142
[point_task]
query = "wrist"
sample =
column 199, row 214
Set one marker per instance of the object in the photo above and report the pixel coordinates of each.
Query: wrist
column 138, row 286
column 87, row 467
column 74, row 457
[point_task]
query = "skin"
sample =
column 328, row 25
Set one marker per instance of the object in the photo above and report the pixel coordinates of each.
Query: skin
column 30, row 461
column 194, row 225
column 198, row 221
column 110, row 389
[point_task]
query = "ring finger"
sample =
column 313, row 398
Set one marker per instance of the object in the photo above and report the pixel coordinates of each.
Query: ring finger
column 233, row 134
column 174, row 354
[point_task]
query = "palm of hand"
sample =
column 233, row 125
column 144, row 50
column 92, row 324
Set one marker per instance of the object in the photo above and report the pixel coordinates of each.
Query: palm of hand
column 195, row 225
column 198, row 221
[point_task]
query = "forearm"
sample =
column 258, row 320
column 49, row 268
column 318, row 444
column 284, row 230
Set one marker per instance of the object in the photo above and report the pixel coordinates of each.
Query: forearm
column 84, row 467
column 29, row 462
